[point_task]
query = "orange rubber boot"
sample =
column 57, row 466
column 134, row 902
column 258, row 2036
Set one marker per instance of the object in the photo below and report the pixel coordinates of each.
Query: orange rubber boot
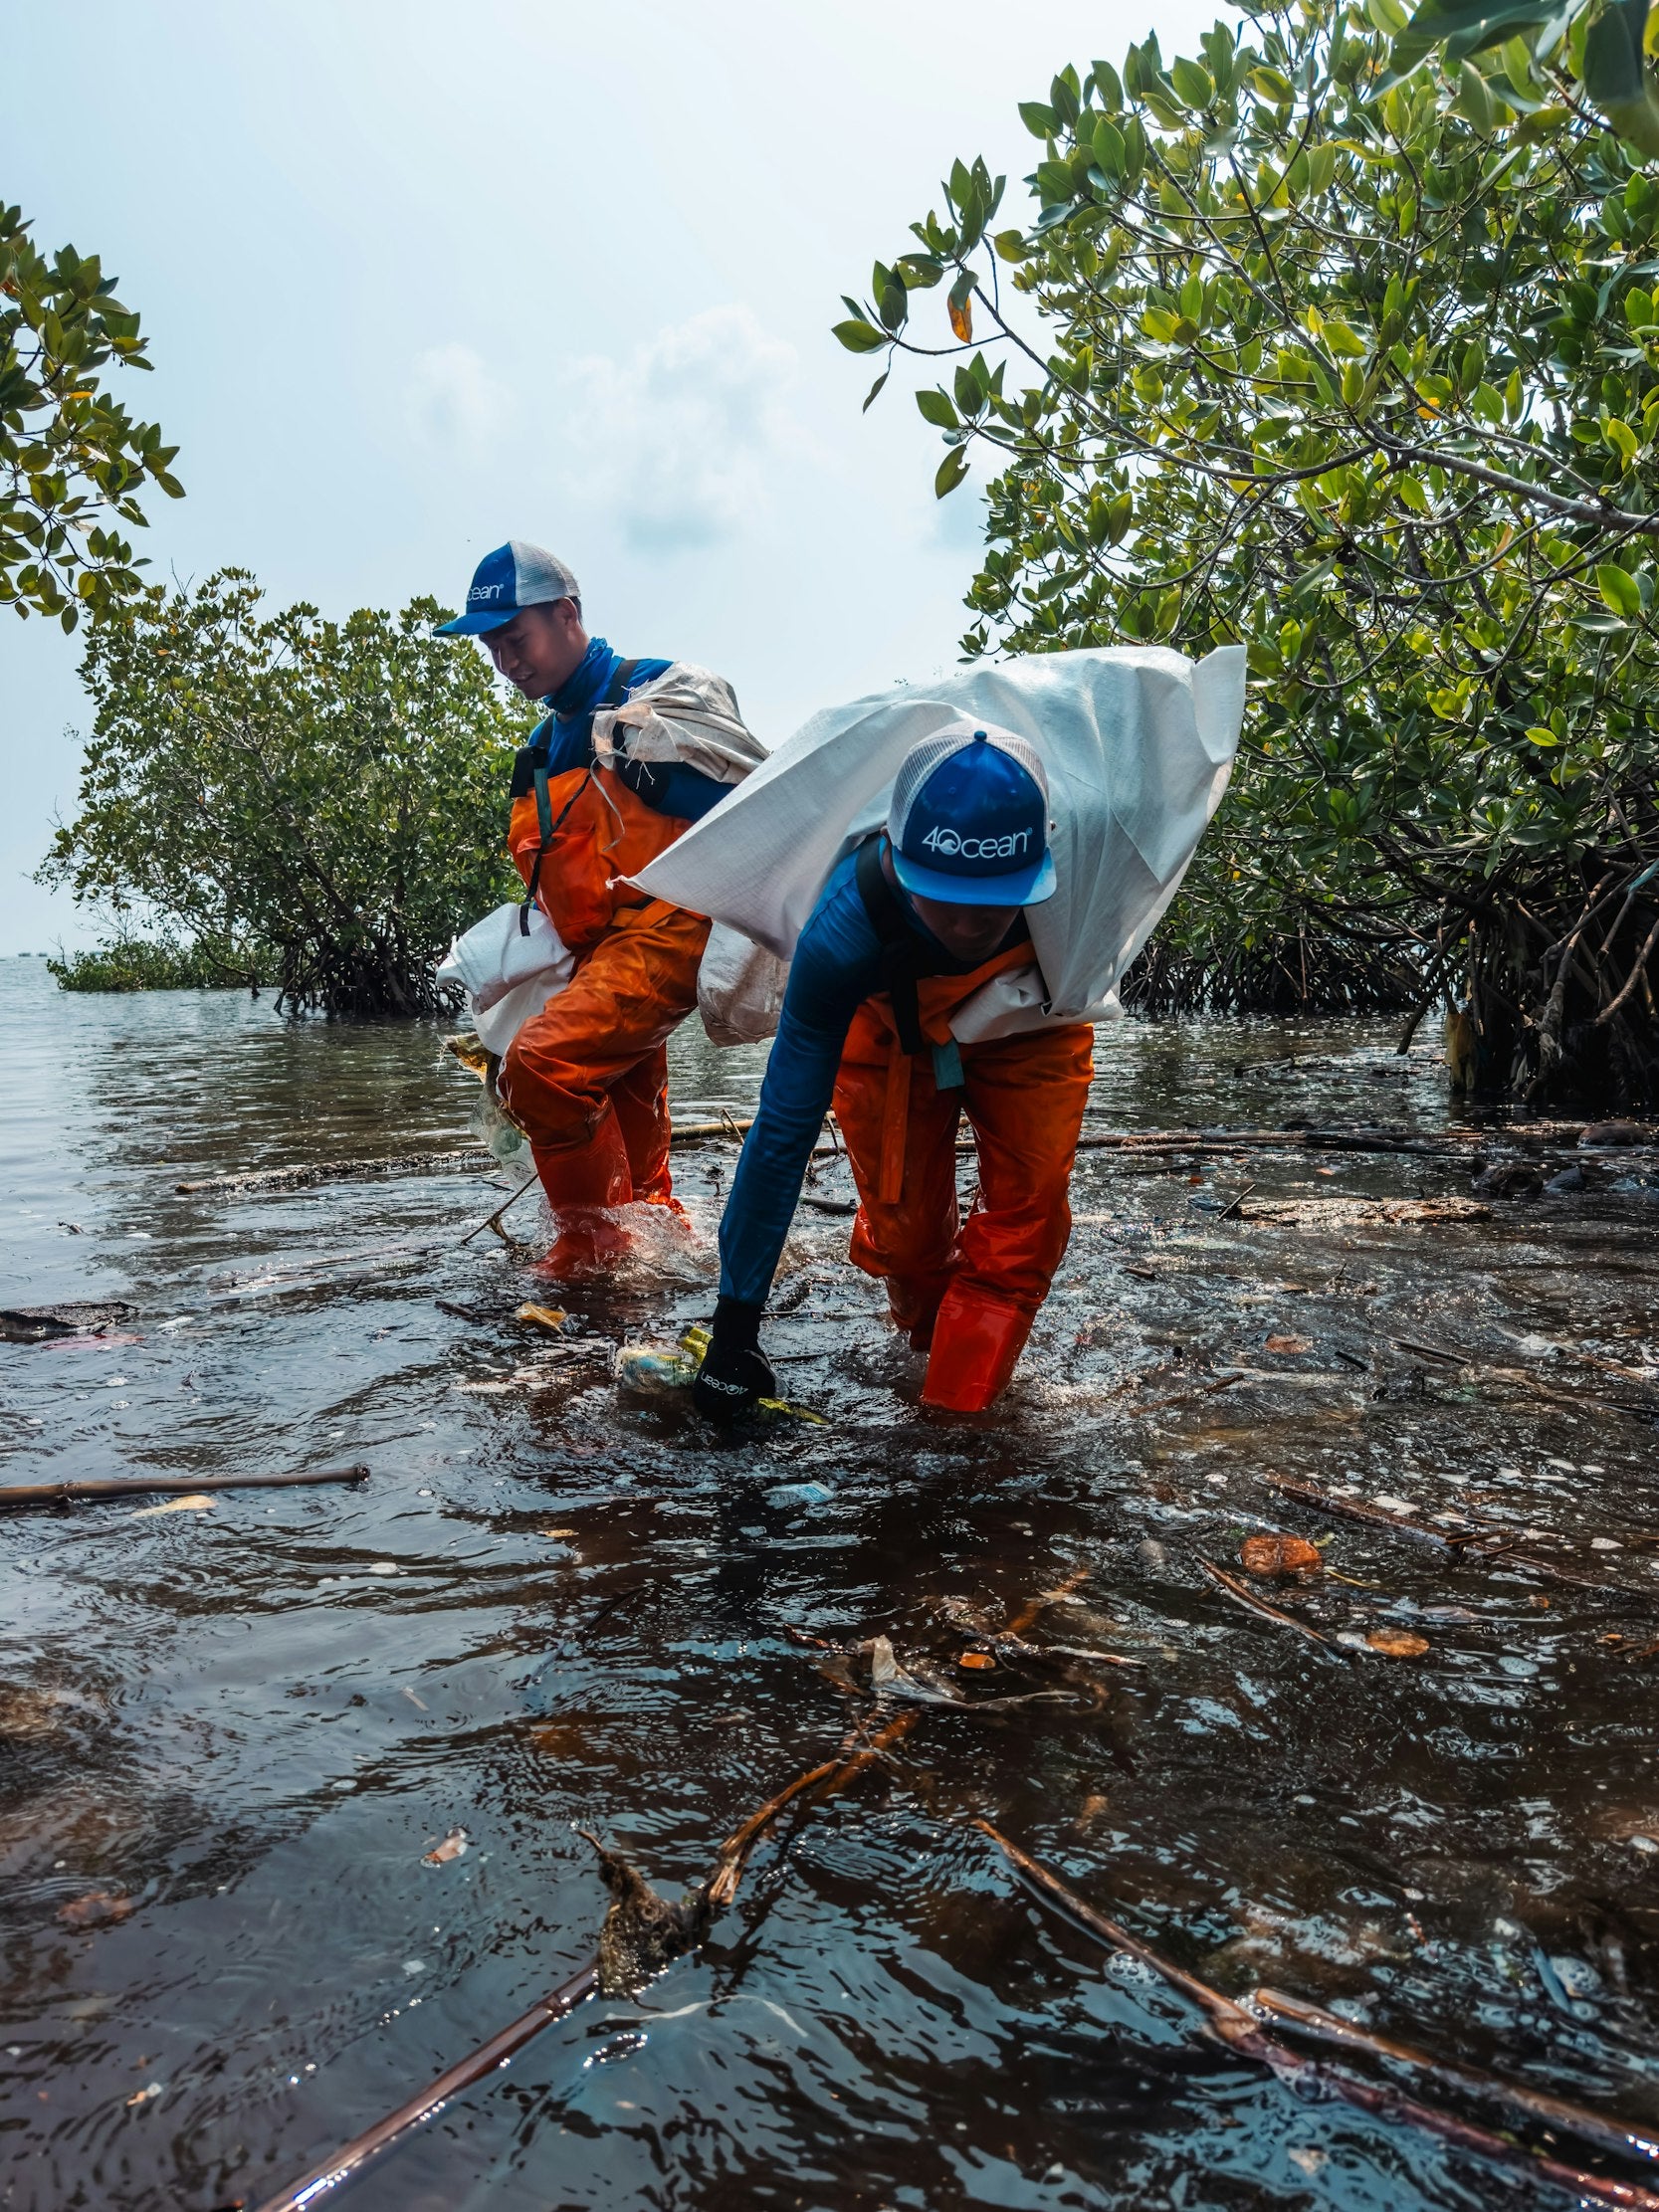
column 582, row 1181
column 977, row 1342
column 914, row 1302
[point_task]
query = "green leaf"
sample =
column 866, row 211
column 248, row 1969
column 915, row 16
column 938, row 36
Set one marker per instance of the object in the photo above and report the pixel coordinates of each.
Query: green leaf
column 1539, row 735
column 1010, row 246
column 951, row 470
column 936, row 408
column 1193, row 84
column 1473, row 100
column 1613, row 72
column 1271, row 85
column 1619, row 589
column 1621, row 439
column 874, row 390
column 1346, row 344
column 860, row 336
column 1041, row 122
column 1109, row 148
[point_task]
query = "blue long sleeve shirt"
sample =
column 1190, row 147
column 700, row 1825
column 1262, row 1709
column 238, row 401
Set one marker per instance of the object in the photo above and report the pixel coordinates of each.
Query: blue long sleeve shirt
column 670, row 786
column 838, row 964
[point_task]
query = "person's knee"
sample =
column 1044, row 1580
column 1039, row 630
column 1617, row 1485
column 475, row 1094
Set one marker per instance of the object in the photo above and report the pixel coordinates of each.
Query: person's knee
column 547, row 1106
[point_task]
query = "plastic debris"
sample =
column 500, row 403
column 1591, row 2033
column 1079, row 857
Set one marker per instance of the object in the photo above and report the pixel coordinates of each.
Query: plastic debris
column 196, row 1503
column 453, row 1846
column 544, row 1316
column 653, row 1372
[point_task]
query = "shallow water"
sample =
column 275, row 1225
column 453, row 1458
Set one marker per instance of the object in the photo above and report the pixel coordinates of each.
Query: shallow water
column 551, row 1607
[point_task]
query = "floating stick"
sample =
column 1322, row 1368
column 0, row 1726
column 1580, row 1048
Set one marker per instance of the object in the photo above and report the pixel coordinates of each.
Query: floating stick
column 1253, row 1604
column 1242, row 2033
column 139, row 1485
column 1524, row 2104
column 1481, row 1541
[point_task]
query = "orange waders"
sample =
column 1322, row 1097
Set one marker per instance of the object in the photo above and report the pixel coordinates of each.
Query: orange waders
column 586, row 1078
column 967, row 1292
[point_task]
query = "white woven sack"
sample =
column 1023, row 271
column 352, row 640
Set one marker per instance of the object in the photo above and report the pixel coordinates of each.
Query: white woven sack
column 507, row 971
column 739, row 989
column 1138, row 742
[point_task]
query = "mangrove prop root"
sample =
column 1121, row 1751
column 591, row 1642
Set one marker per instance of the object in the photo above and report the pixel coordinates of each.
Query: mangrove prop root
column 17, row 1495
column 1480, row 1542
column 1254, row 1604
column 633, row 1905
column 1242, row 2033
column 1523, row 2103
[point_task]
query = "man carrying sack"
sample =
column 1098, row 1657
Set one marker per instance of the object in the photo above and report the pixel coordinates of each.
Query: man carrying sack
column 911, row 924
column 628, row 755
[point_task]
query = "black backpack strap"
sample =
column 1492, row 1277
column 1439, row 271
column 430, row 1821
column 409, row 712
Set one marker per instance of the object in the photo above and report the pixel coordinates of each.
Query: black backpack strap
column 529, row 773
column 901, row 956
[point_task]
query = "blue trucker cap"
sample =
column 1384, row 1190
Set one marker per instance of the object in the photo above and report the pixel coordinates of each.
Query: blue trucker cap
column 968, row 822
column 515, row 575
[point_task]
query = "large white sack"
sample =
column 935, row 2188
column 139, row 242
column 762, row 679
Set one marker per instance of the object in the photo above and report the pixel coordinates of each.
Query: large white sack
column 1138, row 742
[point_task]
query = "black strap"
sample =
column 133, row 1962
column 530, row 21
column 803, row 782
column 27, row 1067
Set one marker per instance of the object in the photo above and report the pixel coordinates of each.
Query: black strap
column 903, row 956
column 534, row 757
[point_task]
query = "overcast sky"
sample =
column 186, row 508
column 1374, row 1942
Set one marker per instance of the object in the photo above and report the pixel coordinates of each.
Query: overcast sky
column 417, row 279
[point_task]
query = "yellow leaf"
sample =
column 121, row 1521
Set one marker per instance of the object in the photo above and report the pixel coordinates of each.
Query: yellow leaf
column 961, row 319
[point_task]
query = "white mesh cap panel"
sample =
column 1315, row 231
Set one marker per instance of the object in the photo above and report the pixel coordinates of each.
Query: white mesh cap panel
column 922, row 759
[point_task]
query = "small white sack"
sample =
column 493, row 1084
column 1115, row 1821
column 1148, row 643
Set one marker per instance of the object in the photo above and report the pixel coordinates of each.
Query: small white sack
column 739, row 989
column 507, row 971
column 688, row 714
column 1138, row 742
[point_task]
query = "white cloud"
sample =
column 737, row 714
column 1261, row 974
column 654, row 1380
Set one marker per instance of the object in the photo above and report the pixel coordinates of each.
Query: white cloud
column 452, row 404
column 679, row 439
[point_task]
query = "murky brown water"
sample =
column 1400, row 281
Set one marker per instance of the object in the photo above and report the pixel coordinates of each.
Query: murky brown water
column 551, row 1607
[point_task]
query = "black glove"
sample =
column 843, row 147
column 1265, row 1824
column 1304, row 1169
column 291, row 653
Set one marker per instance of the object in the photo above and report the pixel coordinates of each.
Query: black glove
column 735, row 1370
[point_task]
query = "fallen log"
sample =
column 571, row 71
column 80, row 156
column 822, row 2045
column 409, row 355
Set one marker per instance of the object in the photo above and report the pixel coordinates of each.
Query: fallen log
column 15, row 1495
column 1241, row 2032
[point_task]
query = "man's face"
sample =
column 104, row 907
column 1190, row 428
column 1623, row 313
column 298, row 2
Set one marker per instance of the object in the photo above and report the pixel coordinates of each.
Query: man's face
column 539, row 648
column 966, row 932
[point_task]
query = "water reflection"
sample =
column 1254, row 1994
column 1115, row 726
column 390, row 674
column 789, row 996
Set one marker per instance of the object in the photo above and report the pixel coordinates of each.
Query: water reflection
column 551, row 1607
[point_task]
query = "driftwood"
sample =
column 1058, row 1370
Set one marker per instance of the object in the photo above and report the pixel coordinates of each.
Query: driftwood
column 15, row 1495
column 1483, row 1542
column 473, row 1160
column 350, row 2160
column 1242, row 2033
column 43, row 1324
column 1254, row 1604
column 1523, row 2103
column 637, row 1924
